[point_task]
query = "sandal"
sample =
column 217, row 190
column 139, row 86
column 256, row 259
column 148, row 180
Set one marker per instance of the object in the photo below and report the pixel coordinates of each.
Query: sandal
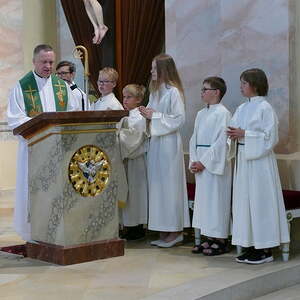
column 216, row 248
column 199, row 248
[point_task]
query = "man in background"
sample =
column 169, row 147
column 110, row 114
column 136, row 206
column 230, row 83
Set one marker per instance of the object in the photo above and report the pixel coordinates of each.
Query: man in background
column 66, row 70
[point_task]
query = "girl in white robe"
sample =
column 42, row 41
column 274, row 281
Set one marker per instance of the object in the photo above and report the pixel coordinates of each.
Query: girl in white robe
column 208, row 161
column 132, row 136
column 168, row 203
column 259, row 219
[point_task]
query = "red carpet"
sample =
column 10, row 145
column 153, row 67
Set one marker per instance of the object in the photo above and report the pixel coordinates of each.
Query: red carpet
column 17, row 249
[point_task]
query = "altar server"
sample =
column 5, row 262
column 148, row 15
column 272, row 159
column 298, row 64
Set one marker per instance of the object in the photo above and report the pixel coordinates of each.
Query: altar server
column 133, row 139
column 107, row 81
column 259, row 219
column 208, row 161
column 168, row 204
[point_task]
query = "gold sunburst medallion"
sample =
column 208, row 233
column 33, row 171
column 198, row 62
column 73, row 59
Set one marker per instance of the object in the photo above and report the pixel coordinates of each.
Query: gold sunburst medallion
column 89, row 170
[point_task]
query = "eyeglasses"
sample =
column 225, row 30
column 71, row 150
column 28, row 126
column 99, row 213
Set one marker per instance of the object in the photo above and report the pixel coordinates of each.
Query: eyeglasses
column 203, row 90
column 104, row 81
column 62, row 73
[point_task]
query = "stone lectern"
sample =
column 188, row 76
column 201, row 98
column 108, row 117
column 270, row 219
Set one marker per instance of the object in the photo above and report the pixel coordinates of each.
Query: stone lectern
column 76, row 180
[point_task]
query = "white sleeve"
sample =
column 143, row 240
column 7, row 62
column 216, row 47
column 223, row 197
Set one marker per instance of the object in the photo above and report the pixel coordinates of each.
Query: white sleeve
column 214, row 159
column 16, row 113
column 131, row 139
column 192, row 144
column 73, row 104
column 166, row 123
column 117, row 105
column 260, row 142
column 233, row 143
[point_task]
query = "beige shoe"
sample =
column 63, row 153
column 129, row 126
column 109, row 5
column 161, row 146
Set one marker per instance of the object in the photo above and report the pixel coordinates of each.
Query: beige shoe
column 156, row 242
column 163, row 244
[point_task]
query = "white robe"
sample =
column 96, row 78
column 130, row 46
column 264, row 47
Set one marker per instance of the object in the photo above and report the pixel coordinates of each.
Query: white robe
column 133, row 149
column 108, row 102
column 208, row 144
column 168, row 203
column 16, row 115
column 259, row 217
column 78, row 94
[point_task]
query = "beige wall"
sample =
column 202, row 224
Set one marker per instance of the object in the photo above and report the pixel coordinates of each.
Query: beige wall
column 224, row 38
column 23, row 25
column 34, row 21
column 8, row 153
column 39, row 25
column 289, row 164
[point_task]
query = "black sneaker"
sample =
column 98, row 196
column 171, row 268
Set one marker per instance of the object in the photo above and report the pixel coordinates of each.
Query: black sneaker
column 259, row 256
column 242, row 258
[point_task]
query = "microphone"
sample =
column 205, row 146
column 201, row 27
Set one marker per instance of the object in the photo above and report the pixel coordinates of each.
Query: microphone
column 73, row 87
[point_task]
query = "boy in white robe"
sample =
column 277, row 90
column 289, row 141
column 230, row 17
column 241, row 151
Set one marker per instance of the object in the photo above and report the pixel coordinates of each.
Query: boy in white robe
column 133, row 149
column 259, row 220
column 208, row 161
column 107, row 81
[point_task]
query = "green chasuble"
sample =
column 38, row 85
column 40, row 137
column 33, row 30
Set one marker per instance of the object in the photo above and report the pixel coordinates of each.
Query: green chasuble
column 32, row 100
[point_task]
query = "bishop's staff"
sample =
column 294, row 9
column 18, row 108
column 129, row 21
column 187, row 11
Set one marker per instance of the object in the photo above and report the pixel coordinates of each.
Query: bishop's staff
column 80, row 52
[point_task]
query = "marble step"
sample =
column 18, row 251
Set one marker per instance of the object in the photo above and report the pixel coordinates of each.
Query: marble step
column 290, row 293
column 238, row 284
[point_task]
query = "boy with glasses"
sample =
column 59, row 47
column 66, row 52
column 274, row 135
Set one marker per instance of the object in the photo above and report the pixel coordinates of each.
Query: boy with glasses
column 107, row 81
column 208, row 161
column 66, row 70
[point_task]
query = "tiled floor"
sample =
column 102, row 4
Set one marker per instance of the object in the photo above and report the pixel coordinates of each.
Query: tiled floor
column 143, row 271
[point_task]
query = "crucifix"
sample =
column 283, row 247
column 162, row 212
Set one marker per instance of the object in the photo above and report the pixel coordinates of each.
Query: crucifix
column 29, row 94
column 95, row 14
column 60, row 94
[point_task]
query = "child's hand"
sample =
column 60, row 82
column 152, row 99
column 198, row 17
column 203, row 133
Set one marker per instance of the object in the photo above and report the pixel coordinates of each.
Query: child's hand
column 197, row 167
column 146, row 112
column 235, row 133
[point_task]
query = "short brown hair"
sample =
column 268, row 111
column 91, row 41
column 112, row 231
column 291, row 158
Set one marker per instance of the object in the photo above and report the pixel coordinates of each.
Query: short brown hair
column 111, row 73
column 217, row 83
column 257, row 79
column 66, row 63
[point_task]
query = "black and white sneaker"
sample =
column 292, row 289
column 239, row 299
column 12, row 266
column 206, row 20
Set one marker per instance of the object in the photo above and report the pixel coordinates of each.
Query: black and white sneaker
column 242, row 258
column 259, row 256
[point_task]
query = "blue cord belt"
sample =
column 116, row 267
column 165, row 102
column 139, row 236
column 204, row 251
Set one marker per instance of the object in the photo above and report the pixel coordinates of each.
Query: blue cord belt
column 202, row 146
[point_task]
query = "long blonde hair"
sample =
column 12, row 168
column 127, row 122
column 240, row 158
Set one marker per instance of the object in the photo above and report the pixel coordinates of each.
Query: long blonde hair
column 166, row 73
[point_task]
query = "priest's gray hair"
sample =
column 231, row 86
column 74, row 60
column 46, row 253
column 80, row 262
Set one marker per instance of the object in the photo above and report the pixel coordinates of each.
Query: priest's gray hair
column 42, row 47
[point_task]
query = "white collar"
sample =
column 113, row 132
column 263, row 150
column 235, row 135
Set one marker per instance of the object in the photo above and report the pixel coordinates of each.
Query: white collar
column 110, row 95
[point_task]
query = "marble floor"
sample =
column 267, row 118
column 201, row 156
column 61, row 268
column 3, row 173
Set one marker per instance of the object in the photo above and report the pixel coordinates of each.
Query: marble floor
column 143, row 272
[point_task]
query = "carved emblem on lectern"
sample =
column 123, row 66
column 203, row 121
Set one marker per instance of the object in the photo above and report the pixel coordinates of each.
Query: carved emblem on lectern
column 89, row 170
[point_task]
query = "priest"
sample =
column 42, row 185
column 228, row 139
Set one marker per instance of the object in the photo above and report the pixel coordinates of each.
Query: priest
column 38, row 91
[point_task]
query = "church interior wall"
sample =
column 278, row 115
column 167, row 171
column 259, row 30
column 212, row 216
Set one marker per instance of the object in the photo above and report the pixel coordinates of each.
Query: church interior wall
column 65, row 44
column 39, row 27
column 23, row 24
column 224, row 38
column 198, row 49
